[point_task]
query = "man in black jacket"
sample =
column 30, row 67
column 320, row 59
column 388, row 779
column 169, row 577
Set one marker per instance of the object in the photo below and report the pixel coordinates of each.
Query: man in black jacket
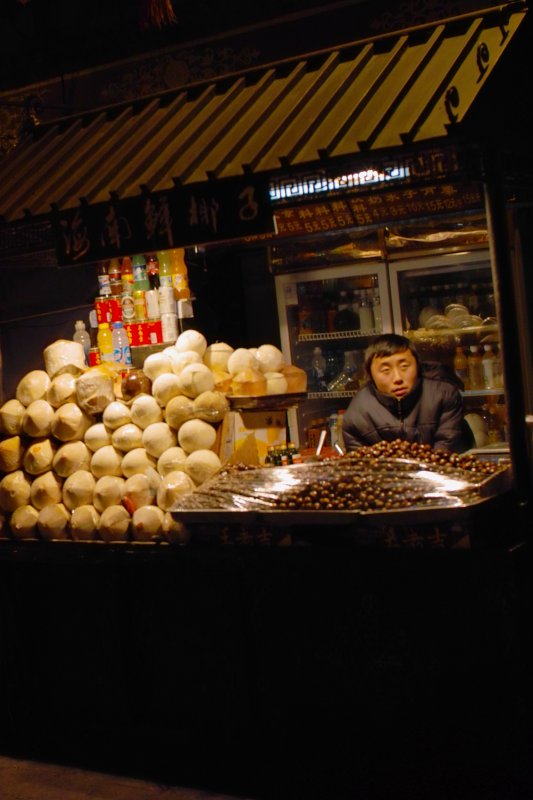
column 405, row 399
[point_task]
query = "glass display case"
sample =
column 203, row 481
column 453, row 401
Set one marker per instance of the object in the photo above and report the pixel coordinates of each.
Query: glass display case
column 328, row 317
column 446, row 305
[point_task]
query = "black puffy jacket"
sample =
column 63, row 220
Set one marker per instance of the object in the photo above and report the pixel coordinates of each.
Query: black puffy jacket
column 431, row 414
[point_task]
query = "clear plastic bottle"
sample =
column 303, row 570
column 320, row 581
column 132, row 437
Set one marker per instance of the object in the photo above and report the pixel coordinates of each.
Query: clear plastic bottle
column 105, row 342
column 165, row 272
column 488, row 363
column 82, row 336
column 121, row 345
column 475, row 369
column 366, row 315
column 318, row 371
column 180, row 274
column 140, row 277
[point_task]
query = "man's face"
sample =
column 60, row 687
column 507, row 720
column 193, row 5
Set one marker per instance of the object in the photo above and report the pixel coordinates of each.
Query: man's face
column 395, row 375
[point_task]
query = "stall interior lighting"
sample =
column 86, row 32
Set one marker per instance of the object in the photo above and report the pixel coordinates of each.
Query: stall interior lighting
column 316, row 184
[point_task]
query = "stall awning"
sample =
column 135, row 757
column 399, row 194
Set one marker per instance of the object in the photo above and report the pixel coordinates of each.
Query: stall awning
column 393, row 90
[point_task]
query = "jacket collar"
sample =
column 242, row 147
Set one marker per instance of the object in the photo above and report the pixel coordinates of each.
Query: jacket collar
column 402, row 407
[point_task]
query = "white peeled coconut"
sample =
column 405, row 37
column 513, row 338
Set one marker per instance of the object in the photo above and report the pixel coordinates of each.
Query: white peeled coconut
column 38, row 418
column 165, row 387
column 173, row 486
column 11, row 453
column 195, row 379
column 210, row 406
column 172, row 459
column 15, row 490
column 276, row 383
column 174, row 530
column 147, row 524
column 97, row 436
column 241, row 358
column 39, row 456
column 95, row 389
column 144, row 410
column 11, row 415
column 106, row 461
column 108, row 491
column 138, row 491
column 172, row 354
column 157, row 364
column 183, row 358
column 116, row 414
column 71, row 457
column 217, row 354
column 45, row 490
column 270, row 358
column 84, row 523
column 78, row 489
column 64, row 355
column 127, row 437
column 157, row 438
column 33, row 386
column 70, row 422
column 191, row 340
column 62, row 389
column 202, row 465
column 23, row 522
column 53, row 522
column 195, row 434
column 137, row 461
column 114, row 524
column 178, row 410
column 249, row 383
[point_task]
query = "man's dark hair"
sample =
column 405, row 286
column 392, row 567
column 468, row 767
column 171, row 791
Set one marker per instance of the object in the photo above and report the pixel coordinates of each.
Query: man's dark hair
column 388, row 344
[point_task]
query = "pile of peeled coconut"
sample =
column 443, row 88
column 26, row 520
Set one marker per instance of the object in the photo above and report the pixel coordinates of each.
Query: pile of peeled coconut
column 88, row 455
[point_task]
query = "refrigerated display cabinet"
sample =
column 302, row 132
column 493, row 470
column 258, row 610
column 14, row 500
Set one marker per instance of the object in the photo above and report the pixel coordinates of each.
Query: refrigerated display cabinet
column 446, row 305
column 335, row 310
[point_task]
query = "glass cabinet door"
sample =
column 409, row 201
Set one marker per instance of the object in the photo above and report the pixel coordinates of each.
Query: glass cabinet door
column 446, row 306
column 328, row 317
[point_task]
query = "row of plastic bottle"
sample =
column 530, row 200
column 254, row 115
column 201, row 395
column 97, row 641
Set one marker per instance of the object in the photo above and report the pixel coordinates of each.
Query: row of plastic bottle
column 148, row 287
column 351, row 311
column 478, row 369
column 113, row 343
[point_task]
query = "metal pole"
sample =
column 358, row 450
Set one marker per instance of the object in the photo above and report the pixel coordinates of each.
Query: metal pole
column 495, row 202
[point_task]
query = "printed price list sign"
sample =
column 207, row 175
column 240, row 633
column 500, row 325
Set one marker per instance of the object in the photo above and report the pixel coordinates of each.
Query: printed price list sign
column 378, row 208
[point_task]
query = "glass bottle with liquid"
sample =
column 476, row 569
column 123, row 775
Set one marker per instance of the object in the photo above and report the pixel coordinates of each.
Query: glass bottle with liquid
column 318, row 371
column 489, row 367
column 460, row 366
column 475, row 369
column 345, row 378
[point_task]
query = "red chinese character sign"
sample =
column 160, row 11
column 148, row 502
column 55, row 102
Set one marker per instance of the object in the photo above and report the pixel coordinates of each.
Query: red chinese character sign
column 195, row 214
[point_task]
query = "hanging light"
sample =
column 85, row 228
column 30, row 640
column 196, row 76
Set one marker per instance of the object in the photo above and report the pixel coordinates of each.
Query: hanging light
column 156, row 14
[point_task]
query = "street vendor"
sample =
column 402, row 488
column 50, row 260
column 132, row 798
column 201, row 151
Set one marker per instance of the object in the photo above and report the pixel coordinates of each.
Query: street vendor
column 406, row 399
